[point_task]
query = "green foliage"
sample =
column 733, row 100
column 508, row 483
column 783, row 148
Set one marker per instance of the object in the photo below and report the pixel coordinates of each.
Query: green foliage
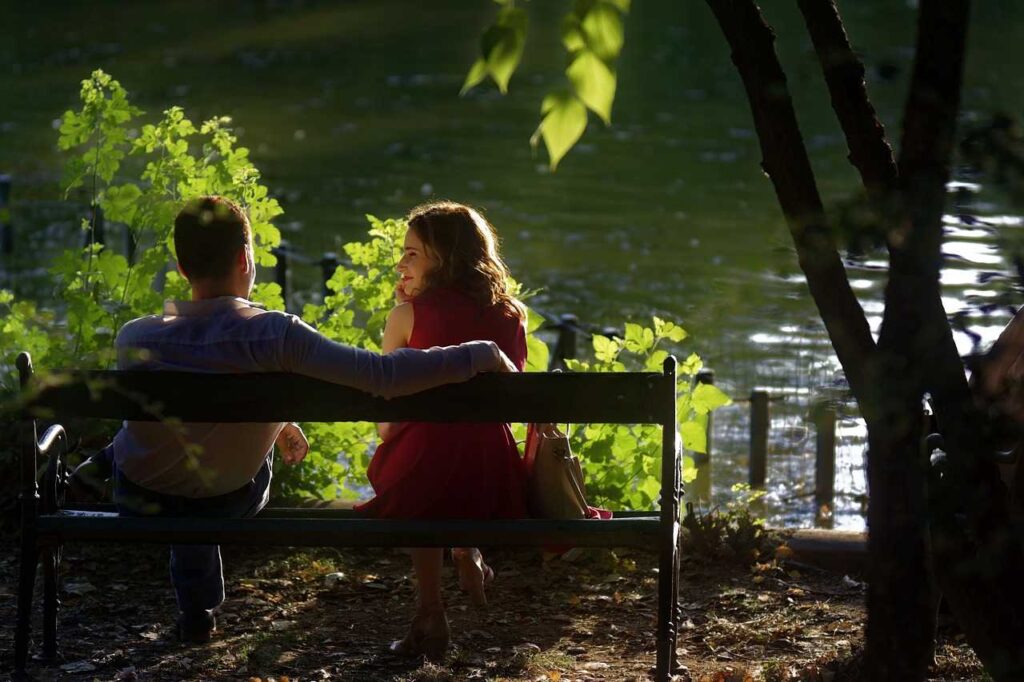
column 140, row 176
column 96, row 289
column 362, row 292
column 737, row 532
column 623, row 462
column 501, row 48
column 593, row 36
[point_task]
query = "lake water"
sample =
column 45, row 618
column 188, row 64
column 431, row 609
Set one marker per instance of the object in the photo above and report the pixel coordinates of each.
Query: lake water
column 353, row 108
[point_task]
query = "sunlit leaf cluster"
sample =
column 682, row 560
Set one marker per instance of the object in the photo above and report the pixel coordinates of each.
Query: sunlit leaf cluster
column 137, row 175
column 623, row 462
column 592, row 34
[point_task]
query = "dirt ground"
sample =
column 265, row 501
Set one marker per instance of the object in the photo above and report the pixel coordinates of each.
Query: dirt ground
column 329, row 614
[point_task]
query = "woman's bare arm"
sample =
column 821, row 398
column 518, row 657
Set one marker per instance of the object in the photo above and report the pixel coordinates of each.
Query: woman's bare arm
column 397, row 331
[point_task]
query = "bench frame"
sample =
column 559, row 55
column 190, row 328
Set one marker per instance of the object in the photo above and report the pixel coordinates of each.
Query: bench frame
column 629, row 398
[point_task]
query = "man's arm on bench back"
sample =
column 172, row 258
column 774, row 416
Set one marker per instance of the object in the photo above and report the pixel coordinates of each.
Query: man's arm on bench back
column 401, row 372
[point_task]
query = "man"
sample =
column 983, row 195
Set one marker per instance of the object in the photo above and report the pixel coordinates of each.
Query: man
column 225, row 469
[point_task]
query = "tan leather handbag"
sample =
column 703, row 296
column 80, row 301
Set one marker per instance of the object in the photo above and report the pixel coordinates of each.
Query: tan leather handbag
column 556, row 487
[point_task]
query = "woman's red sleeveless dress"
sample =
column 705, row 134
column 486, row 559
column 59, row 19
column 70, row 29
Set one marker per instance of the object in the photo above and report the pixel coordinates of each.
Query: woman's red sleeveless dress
column 452, row 470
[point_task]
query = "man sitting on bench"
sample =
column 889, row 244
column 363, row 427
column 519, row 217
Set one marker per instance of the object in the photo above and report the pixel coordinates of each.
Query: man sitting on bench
column 224, row 470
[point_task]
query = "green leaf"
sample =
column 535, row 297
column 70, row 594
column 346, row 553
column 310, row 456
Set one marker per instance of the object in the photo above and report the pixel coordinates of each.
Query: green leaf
column 694, row 436
column 537, row 354
column 572, row 37
column 502, row 45
column 602, row 30
column 655, row 361
column 605, row 349
column 651, row 489
column 565, row 119
column 476, row 74
column 594, row 83
column 708, row 397
column 691, row 365
column 689, row 469
column 269, row 294
column 534, row 320
column 120, row 203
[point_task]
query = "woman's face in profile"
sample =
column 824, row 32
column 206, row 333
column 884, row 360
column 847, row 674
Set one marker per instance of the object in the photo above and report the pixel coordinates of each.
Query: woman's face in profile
column 416, row 263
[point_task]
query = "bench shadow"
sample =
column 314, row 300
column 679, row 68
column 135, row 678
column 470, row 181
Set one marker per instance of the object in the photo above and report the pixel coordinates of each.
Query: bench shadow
column 328, row 613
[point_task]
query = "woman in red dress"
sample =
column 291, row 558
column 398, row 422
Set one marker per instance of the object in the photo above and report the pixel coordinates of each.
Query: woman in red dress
column 453, row 288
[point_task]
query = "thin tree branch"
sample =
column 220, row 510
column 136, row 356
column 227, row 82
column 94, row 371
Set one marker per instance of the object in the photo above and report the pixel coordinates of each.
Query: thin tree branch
column 870, row 152
column 785, row 160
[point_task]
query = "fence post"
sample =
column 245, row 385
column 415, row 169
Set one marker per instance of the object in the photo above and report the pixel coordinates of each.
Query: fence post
column 282, row 273
column 6, row 228
column 96, row 234
column 825, row 453
column 328, row 264
column 759, row 421
column 568, row 340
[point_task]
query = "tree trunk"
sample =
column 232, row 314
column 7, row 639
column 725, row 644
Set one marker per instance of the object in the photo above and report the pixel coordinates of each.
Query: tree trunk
column 901, row 599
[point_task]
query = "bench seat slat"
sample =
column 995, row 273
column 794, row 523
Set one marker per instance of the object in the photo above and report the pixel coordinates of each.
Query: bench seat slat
column 608, row 398
column 324, row 512
column 353, row 532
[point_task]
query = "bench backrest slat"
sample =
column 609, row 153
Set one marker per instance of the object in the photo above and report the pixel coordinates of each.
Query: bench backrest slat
column 610, row 398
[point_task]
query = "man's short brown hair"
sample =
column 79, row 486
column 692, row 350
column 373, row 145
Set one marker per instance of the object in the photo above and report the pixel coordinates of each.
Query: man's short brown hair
column 208, row 233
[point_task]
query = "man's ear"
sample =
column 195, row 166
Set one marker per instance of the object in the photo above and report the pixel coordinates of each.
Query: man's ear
column 243, row 260
column 181, row 271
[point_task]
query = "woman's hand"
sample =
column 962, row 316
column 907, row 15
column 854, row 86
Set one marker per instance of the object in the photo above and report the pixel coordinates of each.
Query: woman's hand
column 400, row 295
column 292, row 443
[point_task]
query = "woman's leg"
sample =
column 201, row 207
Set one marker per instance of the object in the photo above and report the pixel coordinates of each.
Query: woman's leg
column 426, row 562
column 428, row 633
column 473, row 573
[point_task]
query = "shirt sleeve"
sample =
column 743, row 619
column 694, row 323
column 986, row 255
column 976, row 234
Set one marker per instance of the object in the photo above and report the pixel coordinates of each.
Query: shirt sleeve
column 404, row 371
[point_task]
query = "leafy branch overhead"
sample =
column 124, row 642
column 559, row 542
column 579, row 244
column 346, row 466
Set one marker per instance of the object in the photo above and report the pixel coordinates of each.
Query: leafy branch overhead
column 593, row 36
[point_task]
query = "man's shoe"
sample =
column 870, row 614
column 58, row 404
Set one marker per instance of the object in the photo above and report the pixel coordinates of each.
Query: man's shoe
column 196, row 629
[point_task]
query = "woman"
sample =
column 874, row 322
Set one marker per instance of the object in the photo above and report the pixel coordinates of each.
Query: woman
column 453, row 287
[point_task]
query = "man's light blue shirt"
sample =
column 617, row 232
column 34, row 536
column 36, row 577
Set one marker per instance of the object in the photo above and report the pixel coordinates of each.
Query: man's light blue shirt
column 229, row 335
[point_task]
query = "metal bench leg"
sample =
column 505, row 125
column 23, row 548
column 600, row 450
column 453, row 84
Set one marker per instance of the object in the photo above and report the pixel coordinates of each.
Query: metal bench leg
column 51, row 562
column 668, row 565
column 677, row 614
column 26, row 585
column 668, row 611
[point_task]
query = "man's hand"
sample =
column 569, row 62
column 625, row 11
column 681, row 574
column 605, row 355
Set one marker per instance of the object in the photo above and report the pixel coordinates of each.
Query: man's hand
column 292, row 443
column 504, row 364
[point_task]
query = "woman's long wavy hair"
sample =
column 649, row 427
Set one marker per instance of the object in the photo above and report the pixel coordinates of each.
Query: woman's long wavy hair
column 466, row 248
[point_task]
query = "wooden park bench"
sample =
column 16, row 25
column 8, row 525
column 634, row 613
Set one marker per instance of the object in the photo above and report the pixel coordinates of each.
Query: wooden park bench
column 610, row 398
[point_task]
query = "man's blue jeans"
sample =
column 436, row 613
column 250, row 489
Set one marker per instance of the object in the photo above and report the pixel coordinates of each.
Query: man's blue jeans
column 196, row 571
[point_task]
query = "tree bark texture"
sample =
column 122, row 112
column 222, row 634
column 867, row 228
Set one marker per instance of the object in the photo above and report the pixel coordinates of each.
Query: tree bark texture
column 901, row 599
column 870, row 152
column 785, row 160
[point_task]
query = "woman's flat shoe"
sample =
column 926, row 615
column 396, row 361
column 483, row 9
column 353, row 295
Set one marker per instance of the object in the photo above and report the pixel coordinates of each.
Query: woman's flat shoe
column 428, row 636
